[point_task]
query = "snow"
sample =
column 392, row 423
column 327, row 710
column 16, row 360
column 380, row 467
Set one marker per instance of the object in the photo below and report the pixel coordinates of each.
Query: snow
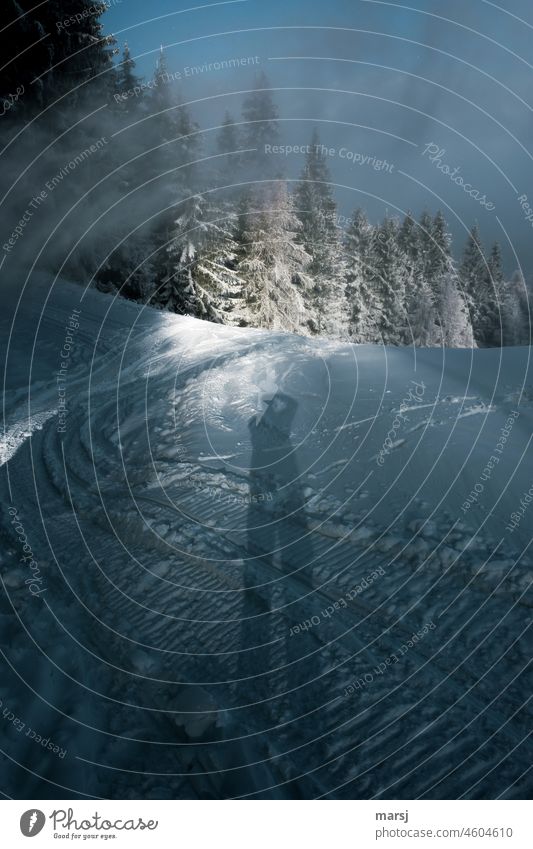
column 179, row 545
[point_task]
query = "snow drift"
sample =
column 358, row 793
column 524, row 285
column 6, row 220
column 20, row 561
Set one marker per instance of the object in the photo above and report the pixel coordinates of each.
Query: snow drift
column 270, row 567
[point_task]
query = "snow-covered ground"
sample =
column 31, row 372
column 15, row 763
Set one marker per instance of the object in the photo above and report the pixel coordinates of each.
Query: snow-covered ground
column 324, row 595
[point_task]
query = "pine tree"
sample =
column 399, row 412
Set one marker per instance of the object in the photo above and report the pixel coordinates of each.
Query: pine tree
column 409, row 242
column 495, row 265
column 163, row 121
column 473, row 275
column 422, row 316
column 174, row 143
column 414, row 244
column 218, row 273
column 229, row 167
column 362, row 302
column 261, row 128
column 254, row 236
column 162, row 130
column 439, row 309
column 516, row 311
column 316, row 209
column 228, row 136
column 453, row 317
column 181, row 292
column 273, row 263
column 389, row 279
column 440, row 248
column 82, row 54
column 494, row 284
column 126, row 81
column 426, row 248
column 288, row 261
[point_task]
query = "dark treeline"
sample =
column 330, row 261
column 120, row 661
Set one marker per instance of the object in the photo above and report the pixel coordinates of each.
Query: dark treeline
column 137, row 200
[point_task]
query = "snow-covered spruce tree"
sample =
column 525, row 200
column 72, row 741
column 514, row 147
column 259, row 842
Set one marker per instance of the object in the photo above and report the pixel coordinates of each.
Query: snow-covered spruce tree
column 409, row 241
column 188, row 144
column 161, row 131
column 128, row 106
column 225, row 172
column 516, row 315
column 442, row 283
column 419, row 295
column 425, row 245
column 254, row 256
column 316, row 209
column 227, row 140
column 126, row 81
column 272, row 262
column 361, row 294
column 453, row 316
column 480, row 298
column 181, row 291
column 229, row 247
column 160, row 92
column 389, row 280
column 171, row 127
column 217, row 270
column 229, row 169
column 260, row 128
column 81, row 52
column 199, row 278
column 127, row 78
column 494, row 282
column 495, row 264
column 174, row 139
column 126, row 269
column 442, row 309
column 289, row 260
column 440, row 251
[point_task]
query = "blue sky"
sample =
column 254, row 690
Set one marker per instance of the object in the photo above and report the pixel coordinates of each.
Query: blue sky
column 454, row 74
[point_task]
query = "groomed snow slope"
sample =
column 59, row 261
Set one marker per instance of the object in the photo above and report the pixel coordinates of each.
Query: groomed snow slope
column 229, row 589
